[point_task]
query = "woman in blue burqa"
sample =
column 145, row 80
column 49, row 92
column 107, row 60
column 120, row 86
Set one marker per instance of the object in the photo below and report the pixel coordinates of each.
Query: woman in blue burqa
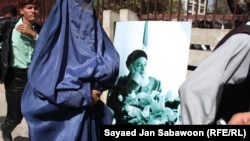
column 73, row 62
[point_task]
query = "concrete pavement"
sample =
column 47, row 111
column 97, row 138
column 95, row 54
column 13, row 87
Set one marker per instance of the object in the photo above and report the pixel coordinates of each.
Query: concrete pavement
column 21, row 131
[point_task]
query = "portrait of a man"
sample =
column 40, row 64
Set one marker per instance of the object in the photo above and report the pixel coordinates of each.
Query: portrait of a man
column 153, row 63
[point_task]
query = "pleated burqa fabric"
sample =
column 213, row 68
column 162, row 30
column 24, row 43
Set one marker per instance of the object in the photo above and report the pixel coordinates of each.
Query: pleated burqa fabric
column 72, row 56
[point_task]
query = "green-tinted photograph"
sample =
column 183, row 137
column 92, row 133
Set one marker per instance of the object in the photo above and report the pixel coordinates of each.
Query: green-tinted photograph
column 152, row 66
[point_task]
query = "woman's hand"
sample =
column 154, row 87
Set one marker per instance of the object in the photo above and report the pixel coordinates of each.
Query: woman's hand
column 240, row 119
column 96, row 94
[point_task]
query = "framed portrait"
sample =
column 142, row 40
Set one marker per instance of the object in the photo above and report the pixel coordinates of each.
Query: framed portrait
column 160, row 49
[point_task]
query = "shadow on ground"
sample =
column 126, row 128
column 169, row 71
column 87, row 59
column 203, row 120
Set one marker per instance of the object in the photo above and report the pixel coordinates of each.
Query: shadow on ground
column 2, row 118
column 20, row 138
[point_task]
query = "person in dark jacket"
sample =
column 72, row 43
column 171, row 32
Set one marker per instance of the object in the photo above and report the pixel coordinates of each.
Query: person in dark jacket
column 9, row 11
column 19, row 35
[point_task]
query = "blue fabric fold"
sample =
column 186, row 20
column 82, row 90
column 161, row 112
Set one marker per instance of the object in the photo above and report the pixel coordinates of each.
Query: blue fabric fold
column 73, row 55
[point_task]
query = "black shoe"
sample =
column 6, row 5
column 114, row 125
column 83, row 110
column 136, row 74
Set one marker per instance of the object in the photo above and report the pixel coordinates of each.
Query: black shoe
column 5, row 136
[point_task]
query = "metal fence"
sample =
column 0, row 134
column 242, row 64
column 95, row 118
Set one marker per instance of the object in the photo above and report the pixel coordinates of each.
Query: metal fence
column 167, row 10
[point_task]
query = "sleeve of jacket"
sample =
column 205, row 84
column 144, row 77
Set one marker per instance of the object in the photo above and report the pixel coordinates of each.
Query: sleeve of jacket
column 201, row 92
column 3, row 23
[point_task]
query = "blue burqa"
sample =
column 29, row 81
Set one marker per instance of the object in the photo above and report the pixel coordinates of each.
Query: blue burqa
column 73, row 55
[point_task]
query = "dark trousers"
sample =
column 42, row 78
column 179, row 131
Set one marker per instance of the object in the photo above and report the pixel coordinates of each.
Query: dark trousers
column 14, row 83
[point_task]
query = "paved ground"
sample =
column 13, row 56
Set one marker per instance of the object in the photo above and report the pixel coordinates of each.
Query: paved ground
column 21, row 132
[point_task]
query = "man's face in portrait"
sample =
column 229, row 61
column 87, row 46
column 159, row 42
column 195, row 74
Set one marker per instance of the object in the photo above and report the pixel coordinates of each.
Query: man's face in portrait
column 139, row 66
